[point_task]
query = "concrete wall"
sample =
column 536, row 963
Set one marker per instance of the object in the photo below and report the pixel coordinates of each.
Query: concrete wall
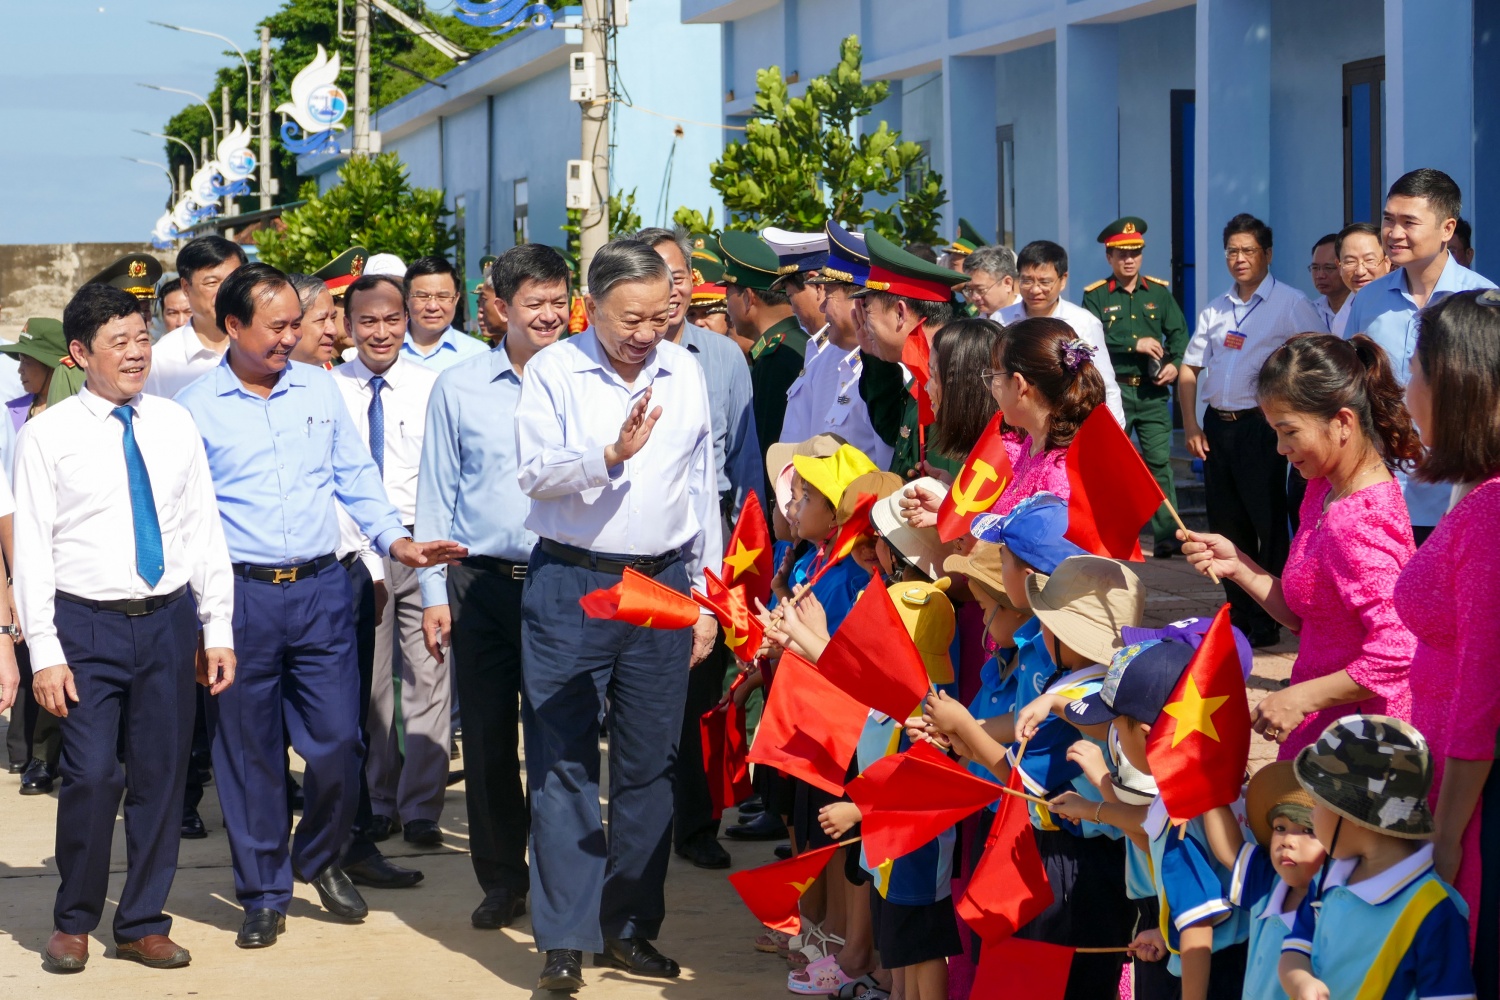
column 39, row 279
column 1026, row 97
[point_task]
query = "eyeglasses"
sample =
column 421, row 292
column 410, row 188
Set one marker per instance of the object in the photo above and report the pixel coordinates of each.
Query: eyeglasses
column 1369, row 263
column 972, row 289
column 1039, row 284
column 1236, row 253
column 441, row 298
column 1322, row 269
column 992, row 375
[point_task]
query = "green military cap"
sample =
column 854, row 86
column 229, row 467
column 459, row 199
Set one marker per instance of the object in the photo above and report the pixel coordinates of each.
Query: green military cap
column 136, row 273
column 748, row 261
column 484, row 271
column 894, row 270
column 708, row 266
column 1125, row 233
column 339, row 273
column 42, row 340
column 968, row 240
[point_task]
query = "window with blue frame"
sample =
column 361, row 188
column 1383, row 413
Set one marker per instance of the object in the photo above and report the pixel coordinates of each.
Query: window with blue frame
column 1364, row 128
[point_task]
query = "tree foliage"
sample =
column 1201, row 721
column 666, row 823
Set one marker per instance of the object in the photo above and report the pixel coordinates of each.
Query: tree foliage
column 804, row 160
column 374, row 206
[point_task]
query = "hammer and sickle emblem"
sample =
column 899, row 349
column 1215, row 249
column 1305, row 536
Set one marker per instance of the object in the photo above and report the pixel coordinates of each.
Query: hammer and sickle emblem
column 966, row 499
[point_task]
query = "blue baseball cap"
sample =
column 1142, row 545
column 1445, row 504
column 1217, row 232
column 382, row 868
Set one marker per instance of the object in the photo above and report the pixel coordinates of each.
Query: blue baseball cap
column 1191, row 631
column 1139, row 683
column 1033, row 531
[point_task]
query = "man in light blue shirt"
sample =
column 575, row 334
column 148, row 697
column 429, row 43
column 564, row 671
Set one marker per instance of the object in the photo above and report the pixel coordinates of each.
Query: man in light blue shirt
column 433, row 288
column 467, row 490
column 1421, row 213
column 282, row 449
column 615, row 444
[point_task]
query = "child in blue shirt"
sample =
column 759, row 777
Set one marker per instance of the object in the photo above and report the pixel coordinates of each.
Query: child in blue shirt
column 1382, row 924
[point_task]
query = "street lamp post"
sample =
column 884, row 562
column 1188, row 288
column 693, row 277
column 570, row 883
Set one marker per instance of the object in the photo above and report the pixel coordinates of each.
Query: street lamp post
column 171, row 184
column 172, row 138
column 249, row 77
column 212, row 118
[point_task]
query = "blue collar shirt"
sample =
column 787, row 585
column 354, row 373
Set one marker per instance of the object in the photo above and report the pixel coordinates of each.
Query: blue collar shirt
column 1274, row 313
column 467, row 488
column 280, row 463
column 736, row 450
column 451, row 348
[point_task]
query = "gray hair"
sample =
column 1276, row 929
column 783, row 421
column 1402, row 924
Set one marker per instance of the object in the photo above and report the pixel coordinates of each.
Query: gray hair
column 655, row 236
column 307, row 288
column 624, row 260
column 996, row 260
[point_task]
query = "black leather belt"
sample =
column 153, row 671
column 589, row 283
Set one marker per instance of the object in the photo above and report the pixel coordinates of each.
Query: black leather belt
column 284, row 574
column 494, row 564
column 131, row 608
column 607, row 563
column 348, row 561
column 1233, row 415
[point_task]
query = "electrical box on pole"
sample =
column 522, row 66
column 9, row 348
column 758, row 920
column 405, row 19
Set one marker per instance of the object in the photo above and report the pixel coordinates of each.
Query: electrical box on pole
column 580, row 188
column 583, row 80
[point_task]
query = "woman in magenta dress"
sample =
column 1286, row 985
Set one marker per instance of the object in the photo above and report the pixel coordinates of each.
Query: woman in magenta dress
column 1339, row 418
column 1449, row 595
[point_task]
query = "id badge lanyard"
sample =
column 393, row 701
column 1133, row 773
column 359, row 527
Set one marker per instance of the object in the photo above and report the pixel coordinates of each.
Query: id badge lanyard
column 1235, row 338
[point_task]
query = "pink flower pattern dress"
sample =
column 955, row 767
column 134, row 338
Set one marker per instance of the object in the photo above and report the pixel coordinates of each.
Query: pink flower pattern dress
column 1045, row 471
column 1339, row 578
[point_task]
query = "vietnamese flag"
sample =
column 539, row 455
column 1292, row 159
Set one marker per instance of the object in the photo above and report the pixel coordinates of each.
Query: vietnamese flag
column 1199, row 746
column 1016, row 967
column 984, row 476
column 872, row 658
column 849, row 533
column 748, row 556
column 640, row 600
column 809, row 728
column 773, row 891
column 916, row 355
column 743, row 632
column 722, row 731
column 1113, row 493
column 1009, row 887
column 909, row 798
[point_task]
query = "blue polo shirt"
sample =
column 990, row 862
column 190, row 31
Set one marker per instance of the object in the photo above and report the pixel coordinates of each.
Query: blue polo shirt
column 1191, row 884
column 1255, row 887
column 924, row 876
column 996, row 696
column 1046, row 770
column 1385, row 310
column 837, row 590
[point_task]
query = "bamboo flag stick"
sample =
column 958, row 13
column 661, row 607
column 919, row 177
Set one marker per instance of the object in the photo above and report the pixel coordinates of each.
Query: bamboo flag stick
column 1100, row 951
column 1178, row 518
column 1022, row 795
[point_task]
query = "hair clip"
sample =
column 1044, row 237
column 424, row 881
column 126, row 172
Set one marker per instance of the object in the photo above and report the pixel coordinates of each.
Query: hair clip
column 1076, row 353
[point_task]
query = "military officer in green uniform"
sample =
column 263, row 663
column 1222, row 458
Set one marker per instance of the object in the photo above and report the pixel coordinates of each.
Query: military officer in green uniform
column 136, row 273
column 1146, row 334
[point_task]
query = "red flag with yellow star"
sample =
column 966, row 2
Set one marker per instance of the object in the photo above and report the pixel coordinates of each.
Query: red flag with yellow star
column 773, row 891
column 640, row 600
column 742, row 630
column 748, row 556
column 1113, row 493
column 721, row 732
column 1200, row 744
column 984, row 476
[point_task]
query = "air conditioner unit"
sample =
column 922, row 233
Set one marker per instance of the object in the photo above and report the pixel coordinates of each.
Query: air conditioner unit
column 582, row 83
column 580, row 185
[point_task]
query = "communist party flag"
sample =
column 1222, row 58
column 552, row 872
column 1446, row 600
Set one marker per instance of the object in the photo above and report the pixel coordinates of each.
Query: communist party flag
column 1200, row 745
column 640, row 600
column 872, row 658
column 1114, row 494
column 772, row 891
column 748, row 556
column 909, row 798
column 809, row 728
column 984, row 476
column 1016, row 967
column 849, row 532
column 742, row 630
column 722, row 732
column 1009, row 887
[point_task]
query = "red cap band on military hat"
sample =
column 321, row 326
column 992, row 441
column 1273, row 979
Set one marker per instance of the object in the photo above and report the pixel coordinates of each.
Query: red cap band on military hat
column 925, row 289
column 341, row 282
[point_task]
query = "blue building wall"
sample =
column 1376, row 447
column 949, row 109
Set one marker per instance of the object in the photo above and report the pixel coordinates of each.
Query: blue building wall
column 1026, row 97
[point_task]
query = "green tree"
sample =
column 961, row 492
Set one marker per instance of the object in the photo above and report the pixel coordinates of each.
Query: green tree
column 623, row 220
column 374, row 205
column 693, row 220
column 804, row 160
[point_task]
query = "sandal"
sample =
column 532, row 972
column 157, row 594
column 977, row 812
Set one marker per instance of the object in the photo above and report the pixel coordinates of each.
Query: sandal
column 863, row 988
column 811, row 945
column 772, row 942
column 820, row 978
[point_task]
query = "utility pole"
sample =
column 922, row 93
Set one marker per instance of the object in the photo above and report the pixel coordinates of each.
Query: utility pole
column 228, row 115
column 362, row 77
column 594, row 226
column 265, row 118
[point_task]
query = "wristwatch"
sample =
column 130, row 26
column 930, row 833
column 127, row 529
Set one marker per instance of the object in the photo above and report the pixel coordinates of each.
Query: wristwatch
column 11, row 631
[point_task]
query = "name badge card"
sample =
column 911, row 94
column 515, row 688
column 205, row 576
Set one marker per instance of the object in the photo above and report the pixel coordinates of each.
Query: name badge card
column 1234, row 340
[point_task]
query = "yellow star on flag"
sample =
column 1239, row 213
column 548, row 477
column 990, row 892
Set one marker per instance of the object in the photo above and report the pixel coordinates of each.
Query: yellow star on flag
column 1194, row 713
column 649, row 622
column 802, row 887
column 733, row 639
column 743, row 560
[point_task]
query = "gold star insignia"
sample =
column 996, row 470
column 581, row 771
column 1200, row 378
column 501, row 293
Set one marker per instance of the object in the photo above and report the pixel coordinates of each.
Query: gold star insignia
column 1194, row 713
column 733, row 639
column 743, row 559
column 802, row 887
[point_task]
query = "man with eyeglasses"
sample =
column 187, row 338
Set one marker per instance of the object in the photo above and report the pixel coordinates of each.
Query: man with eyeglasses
column 432, row 289
column 1361, row 259
column 992, row 278
column 1325, row 278
column 1244, row 476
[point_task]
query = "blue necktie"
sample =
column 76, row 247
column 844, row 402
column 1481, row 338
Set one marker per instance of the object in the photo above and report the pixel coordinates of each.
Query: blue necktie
column 149, row 561
column 377, row 424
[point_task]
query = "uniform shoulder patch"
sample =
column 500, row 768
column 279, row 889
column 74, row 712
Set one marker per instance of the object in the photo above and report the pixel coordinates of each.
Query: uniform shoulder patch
column 1158, row 281
column 1098, row 284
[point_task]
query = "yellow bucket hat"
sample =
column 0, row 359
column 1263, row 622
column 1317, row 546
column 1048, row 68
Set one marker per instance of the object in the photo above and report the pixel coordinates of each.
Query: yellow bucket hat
column 928, row 615
column 831, row 476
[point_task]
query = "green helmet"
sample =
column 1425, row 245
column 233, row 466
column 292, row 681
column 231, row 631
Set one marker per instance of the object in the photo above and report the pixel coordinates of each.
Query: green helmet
column 1373, row 770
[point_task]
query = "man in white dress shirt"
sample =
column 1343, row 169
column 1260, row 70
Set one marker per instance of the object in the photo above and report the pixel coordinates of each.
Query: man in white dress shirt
column 181, row 355
column 387, row 398
column 993, row 279
column 432, row 290
column 1043, row 266
column 611, row 488
column 118, row 521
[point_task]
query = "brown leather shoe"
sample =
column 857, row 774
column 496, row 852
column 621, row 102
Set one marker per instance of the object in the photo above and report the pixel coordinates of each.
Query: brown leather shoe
column 155, row 950
column 66, row 952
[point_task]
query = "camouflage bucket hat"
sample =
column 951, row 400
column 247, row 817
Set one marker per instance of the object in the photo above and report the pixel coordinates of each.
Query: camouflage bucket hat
column 1373, row 770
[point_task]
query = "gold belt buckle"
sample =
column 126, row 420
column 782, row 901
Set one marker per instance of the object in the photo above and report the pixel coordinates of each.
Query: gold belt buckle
column 286, row 575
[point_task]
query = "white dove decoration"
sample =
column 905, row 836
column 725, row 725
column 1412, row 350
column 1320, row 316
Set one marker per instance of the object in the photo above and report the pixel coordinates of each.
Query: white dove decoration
column 236, row 161
column 164, row 232
column 201, row 184
column 317, row 104
column 184, row 213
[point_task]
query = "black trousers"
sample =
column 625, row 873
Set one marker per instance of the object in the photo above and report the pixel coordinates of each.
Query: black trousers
column 360, row 844
column 1244, row 482
column 693, row 809
column 486, row 652
column 1089, row 908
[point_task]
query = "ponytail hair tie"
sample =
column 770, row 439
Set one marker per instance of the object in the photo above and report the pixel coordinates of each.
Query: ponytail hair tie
column 1076, row 353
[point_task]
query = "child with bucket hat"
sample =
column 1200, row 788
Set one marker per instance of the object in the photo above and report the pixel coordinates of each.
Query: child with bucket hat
column 1382, row 923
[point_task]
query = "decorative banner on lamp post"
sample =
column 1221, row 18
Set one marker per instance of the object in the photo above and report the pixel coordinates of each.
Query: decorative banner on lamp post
column 502, row 14
column 317, row 107
column 234, row 163
column 164, row 232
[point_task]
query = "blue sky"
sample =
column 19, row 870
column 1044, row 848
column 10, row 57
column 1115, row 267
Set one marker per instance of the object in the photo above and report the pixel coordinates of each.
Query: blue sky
column 68, row 102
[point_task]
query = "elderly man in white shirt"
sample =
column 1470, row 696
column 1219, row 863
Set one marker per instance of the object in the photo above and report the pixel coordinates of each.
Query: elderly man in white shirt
column 184, row 353
column 1044, row 277
column 116, row 522
column 615, row 447
column 386, row 395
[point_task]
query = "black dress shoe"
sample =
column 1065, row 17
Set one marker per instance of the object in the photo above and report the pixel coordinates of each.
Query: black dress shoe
column 423, row 833
column 16, row 767
column 380, row 828
column 783, row 852
column 192, row 826
column 38, row 778
column 563, row 971
column 1167, row 548
column 762, row 827
column 750, row 807
column 260, row 929
column 636, row 955
column 500, row 908
column 339, row 895
column 705, row 852
column 378, row 872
